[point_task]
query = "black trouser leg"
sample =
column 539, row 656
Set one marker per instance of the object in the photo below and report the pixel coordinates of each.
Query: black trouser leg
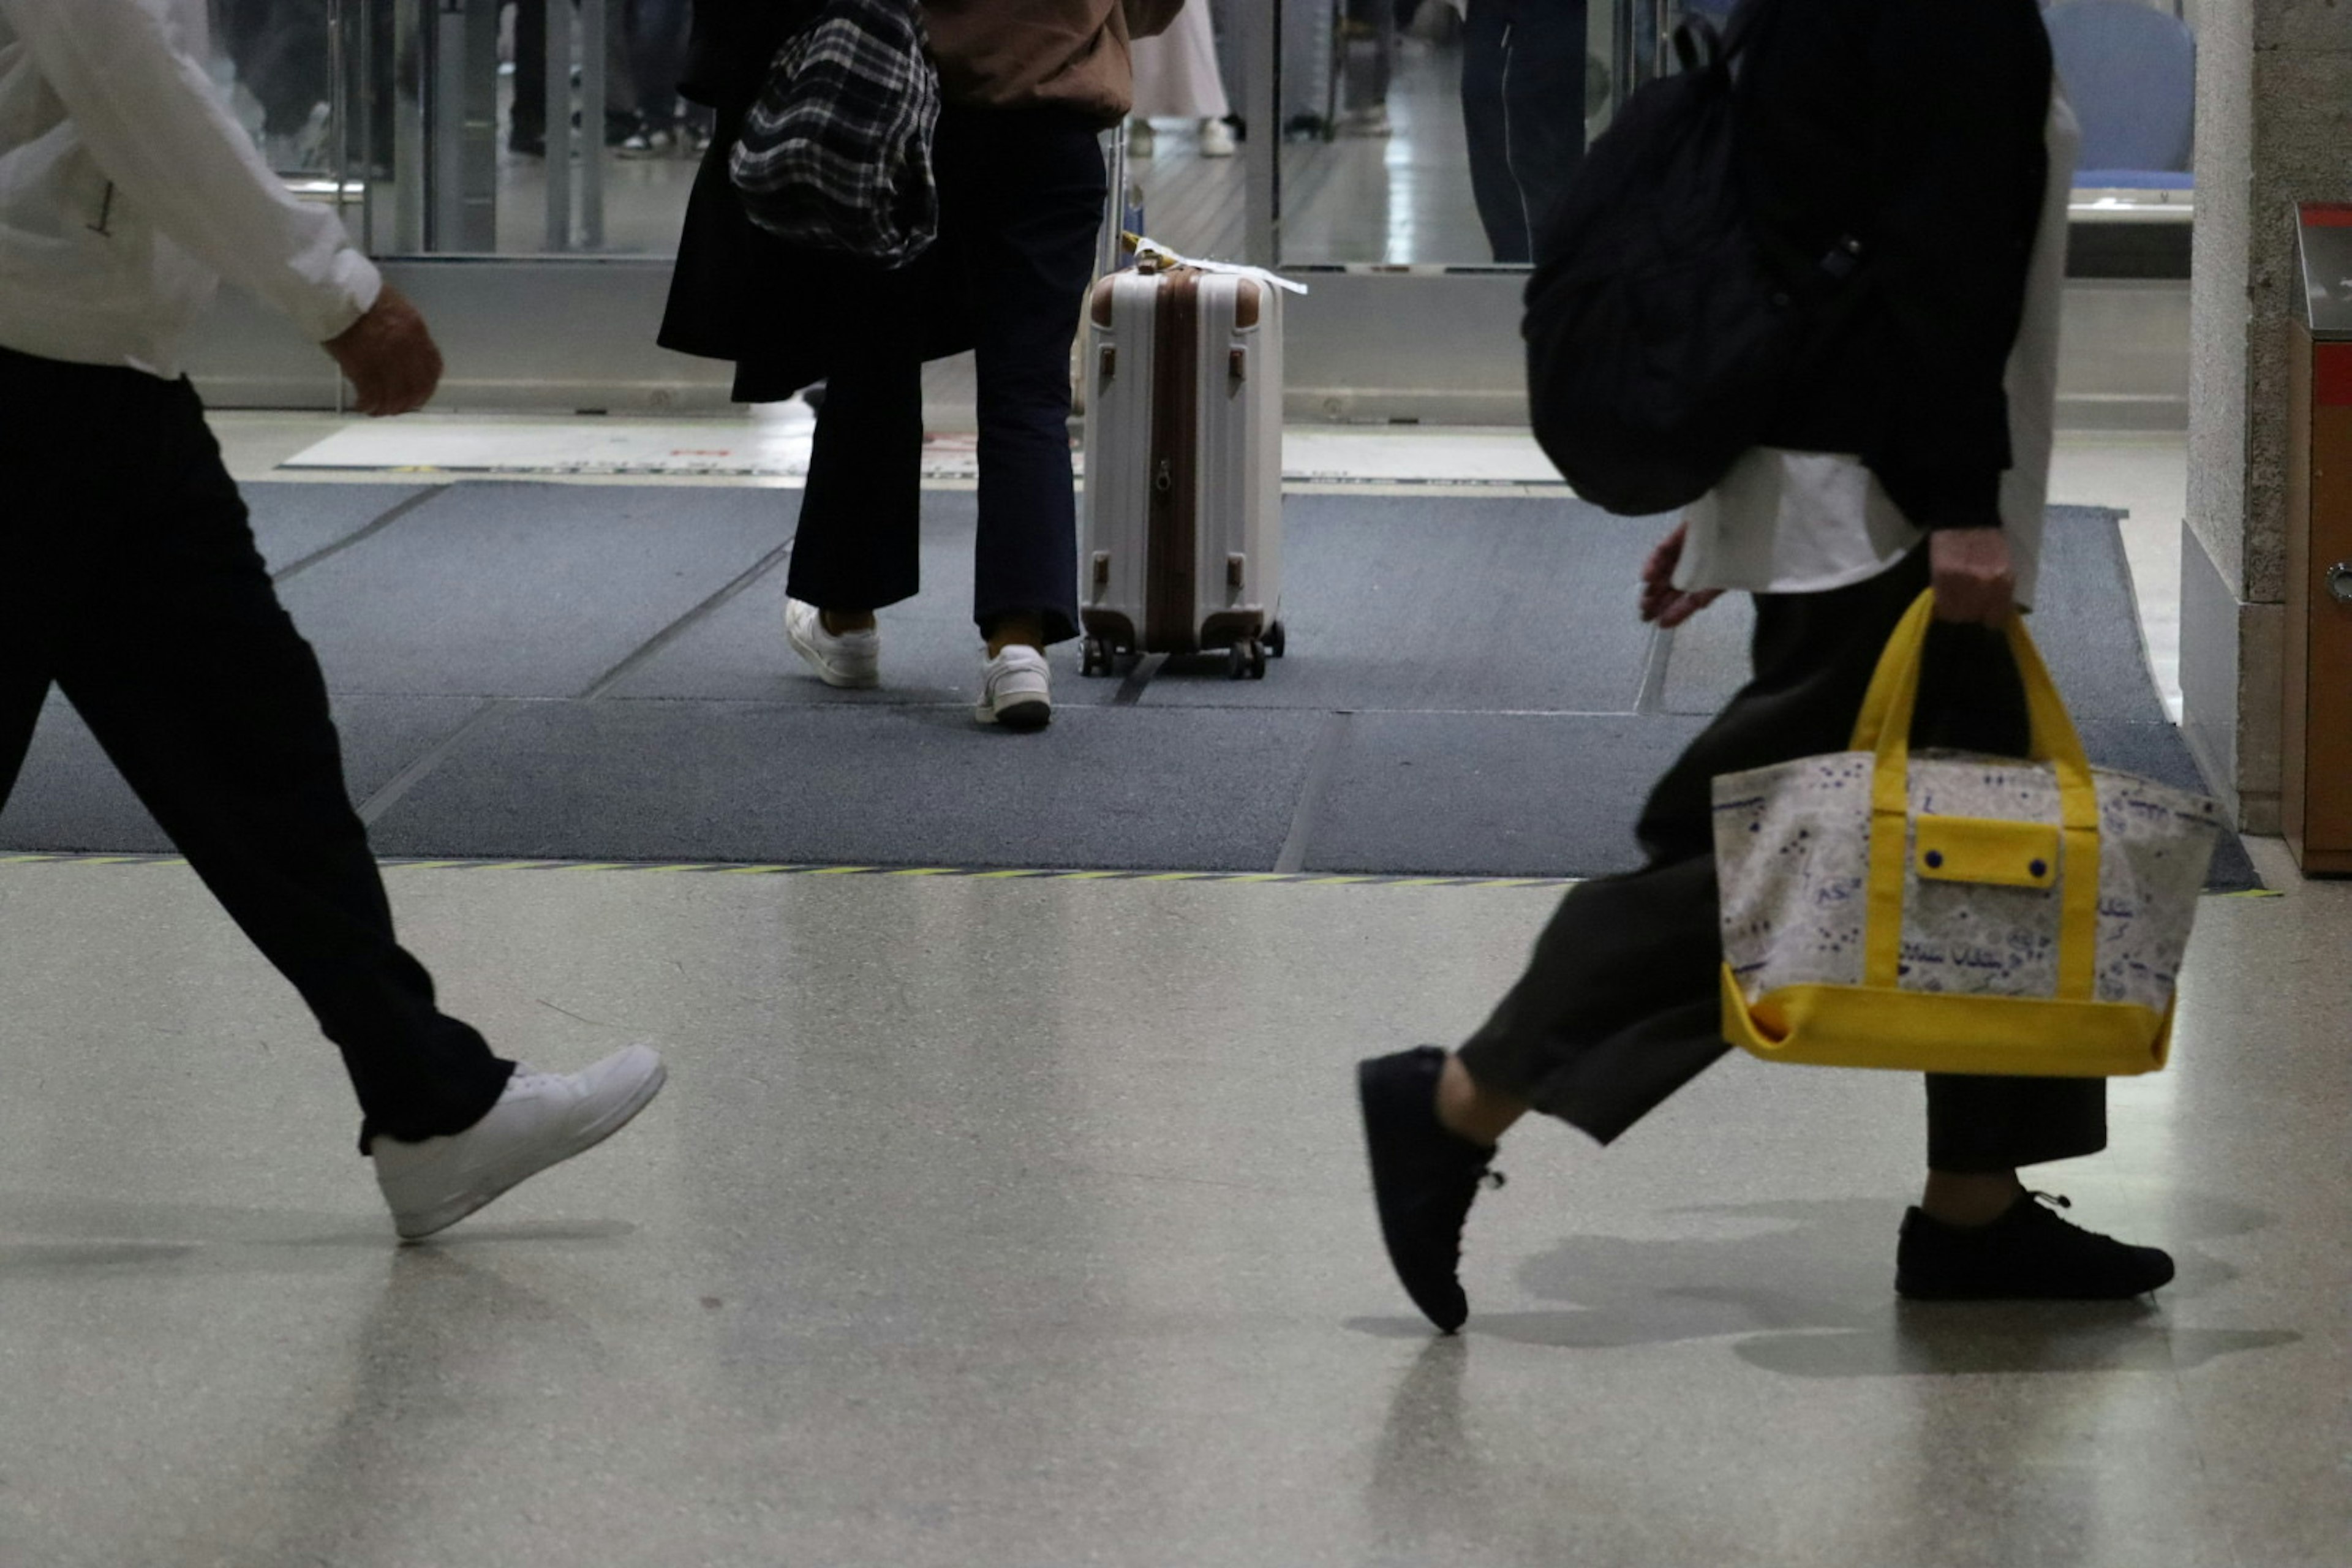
column 1523, row 108
column 1618, row 1008
column 1486, row 126
column 24, row 686
column 860, row 541
column 657, row 35
column 1022, row 192
column 153, row 611
column 530, row 117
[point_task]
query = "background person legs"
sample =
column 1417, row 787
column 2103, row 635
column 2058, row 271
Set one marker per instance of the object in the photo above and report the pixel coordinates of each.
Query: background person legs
column 1523, row 76
column 282, row 52
column 657, row 46
column 1021, row 192
column 527, row 127
column 859, row 547
column 1177, row 77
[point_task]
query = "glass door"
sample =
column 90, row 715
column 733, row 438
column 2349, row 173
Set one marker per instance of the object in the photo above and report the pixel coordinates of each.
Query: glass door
column 1434, row 132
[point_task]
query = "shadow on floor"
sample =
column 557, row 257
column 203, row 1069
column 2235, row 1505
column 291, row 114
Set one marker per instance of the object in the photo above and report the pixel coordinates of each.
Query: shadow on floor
column 1810, row 1285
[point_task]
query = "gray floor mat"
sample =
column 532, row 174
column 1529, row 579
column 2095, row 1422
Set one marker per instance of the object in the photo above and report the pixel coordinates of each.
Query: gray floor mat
column 1392, row 601
column 291, row 521
column 1469, row 664
column 70, row 798
column 694, row 781
column 2086, row 619
column 1496, row 605
column 1492, row 794
column 525, row 590
column 932, row 650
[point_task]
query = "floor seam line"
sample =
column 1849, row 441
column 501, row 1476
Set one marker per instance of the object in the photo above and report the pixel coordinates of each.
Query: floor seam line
column 1322, row 763
column 392, row 514
column 677, row 629
column 373, row 809
column 1130, row 690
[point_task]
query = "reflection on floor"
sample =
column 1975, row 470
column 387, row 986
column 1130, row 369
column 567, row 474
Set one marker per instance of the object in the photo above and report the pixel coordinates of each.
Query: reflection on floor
column 1401, row 199
column 1024, row 1223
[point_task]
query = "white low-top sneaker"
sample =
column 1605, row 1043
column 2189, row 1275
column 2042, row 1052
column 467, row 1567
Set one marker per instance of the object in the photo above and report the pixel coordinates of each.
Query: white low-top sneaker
column 544, row 1119
column 1015, row 692
column 852, row 659
column 1217, row 139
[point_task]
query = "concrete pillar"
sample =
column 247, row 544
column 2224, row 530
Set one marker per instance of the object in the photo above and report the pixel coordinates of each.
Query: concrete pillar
column 2273, row 128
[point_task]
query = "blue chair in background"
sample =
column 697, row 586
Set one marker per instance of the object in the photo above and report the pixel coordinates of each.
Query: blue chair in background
column 2131, row 72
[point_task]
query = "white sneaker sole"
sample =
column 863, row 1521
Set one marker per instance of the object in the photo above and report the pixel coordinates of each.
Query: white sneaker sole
column 1021, row 714
column 844, row 679
column 496, row 1185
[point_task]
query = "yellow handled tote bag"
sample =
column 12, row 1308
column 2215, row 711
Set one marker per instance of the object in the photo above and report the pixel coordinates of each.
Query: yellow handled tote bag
column 1952, row 912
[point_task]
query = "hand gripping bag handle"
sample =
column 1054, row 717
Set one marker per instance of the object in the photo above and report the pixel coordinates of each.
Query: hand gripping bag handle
column 1885, row 728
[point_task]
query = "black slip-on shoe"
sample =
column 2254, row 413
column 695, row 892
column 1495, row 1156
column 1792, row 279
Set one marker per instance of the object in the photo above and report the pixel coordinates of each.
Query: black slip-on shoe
column 1423, row 1178
column 2028, row 1254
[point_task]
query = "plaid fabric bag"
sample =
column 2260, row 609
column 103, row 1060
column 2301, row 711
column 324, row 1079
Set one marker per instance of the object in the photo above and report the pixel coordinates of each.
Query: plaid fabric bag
column 836, row 154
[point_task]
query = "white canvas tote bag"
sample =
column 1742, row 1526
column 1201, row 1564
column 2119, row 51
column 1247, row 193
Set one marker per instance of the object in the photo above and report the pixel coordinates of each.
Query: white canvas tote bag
column 1948, row 912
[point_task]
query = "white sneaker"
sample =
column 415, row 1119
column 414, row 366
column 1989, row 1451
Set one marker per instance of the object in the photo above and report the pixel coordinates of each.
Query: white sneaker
column 543, row 1119
column 853, row 659
column 1216, row 139
column 1015, row 693
column 1139, row 139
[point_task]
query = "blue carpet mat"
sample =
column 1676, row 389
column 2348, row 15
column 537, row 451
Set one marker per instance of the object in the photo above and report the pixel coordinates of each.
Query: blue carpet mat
column 552, row 671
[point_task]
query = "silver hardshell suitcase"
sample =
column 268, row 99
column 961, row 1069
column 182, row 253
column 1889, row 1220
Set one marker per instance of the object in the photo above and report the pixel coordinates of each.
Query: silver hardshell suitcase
column 1182, row 543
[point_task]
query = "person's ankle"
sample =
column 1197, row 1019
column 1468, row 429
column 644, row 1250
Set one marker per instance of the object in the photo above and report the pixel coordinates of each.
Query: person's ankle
column 1016, row 631
column 1471, row 1113
column 1970, row 1200
column 841, row 623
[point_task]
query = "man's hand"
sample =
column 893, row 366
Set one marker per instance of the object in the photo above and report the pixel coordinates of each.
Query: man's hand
column 390, row 357
column 1663, row 603
column 1974, row 581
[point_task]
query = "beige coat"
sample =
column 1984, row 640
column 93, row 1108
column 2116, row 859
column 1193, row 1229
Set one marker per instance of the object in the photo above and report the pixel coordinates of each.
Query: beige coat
column 1073, row 53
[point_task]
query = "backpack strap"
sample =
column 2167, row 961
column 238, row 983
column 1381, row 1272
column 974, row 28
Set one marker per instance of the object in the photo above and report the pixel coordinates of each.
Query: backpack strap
column 1745, row 20
column 1700, row 44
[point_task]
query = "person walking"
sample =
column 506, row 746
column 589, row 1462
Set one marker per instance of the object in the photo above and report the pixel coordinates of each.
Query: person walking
column 139, row 592
column 1915, row 454
column 1028, row 86
column 1177, row 78
column 1523, row 109
column 623, row 78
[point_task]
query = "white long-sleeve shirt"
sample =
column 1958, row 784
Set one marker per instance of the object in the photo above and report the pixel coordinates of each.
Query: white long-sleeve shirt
column 127, row 192
column 1805, row 523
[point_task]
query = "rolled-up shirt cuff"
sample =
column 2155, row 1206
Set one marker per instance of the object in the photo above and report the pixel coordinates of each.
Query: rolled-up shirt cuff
column 329, row 308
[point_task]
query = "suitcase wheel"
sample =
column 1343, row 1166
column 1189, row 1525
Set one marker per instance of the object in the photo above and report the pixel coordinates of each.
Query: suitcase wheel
column 1277, row 639
column 1094, row 658
column 1246, row 660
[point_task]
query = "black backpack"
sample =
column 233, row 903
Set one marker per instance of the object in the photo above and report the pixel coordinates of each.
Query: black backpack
column 1659, row 335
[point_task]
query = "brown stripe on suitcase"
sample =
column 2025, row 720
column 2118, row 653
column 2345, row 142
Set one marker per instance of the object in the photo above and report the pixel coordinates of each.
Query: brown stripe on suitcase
column 1170, row 599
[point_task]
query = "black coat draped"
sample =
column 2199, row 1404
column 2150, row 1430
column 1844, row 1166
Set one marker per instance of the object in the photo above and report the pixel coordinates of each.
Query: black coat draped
column 784, row 315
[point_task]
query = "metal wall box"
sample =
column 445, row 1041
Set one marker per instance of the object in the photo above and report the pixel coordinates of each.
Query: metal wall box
column 2318, row 787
